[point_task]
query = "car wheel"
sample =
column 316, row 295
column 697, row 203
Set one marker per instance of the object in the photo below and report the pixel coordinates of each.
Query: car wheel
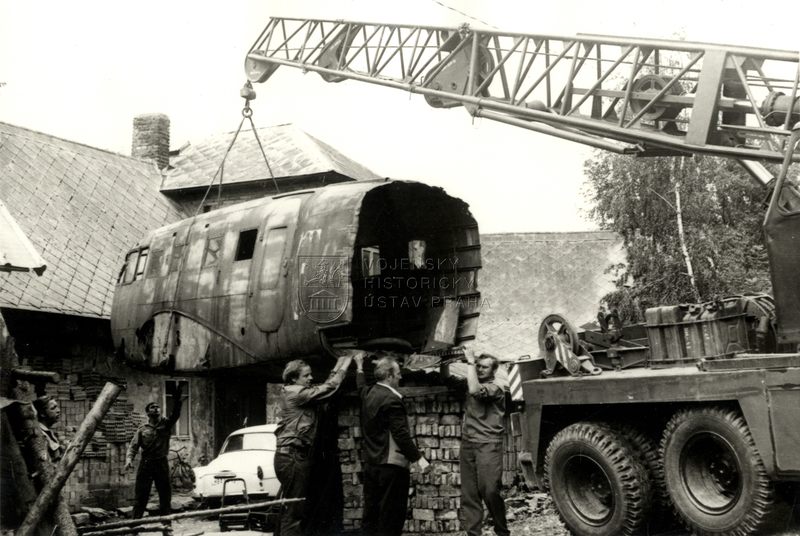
column 714, row 474
column 597, row 482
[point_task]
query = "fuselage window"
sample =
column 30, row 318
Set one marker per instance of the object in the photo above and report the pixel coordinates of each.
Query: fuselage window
column 213, row 251
column 126, row 274
column 156, row 267
column 416, row 253
column 141, row 264
column 273, row 257
column 175, row 259
column 246, row 245
column 371, row 261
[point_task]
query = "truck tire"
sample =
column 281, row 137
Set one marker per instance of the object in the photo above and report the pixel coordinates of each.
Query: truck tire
column 648, row 451
column 597, row 482
column 714, row 474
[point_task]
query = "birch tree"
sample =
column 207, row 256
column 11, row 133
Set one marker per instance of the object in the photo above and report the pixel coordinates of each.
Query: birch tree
column 691, row 228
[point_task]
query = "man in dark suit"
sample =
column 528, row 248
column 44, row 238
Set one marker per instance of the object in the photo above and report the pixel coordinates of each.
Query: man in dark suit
column 388, row 450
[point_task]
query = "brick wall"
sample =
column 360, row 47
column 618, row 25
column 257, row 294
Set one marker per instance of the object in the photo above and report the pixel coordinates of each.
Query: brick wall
column 150, row 138
column 435, row 420
column 78, row 350
column 98, row 479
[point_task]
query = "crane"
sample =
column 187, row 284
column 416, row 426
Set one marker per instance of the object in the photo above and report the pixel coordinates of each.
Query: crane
column 626, row 95
column 643, row 97
column 696, row 425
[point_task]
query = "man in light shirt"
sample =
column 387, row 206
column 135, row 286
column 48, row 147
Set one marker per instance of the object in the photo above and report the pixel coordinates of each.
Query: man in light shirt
column 481, row 454
column 296, row 433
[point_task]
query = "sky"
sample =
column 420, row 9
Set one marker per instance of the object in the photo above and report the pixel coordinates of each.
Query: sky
column 82, row 69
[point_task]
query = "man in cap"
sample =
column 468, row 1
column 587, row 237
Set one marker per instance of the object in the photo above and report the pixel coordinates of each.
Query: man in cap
column 152, row 438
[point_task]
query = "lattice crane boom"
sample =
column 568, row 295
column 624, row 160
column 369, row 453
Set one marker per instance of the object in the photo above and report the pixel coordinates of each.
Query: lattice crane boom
column 627, row 95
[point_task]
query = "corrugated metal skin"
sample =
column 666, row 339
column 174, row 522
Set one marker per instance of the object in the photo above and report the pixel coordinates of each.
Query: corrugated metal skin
column 227, row 317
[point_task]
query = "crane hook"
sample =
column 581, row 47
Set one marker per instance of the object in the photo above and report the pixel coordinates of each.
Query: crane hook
column 247, row 93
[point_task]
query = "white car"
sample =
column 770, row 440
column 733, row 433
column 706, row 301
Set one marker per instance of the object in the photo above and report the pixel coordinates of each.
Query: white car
column 249, row 454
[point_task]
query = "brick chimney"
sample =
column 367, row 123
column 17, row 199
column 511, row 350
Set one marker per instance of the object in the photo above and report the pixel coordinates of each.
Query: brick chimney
column 151, row 138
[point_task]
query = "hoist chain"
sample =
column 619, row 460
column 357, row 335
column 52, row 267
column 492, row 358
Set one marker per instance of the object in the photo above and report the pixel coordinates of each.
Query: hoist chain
column 248, row 94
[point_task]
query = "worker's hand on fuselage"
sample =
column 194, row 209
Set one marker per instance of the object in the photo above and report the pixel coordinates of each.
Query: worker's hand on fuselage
column 358, row 359
column 343, row 362
column 469, row 355
column 128, row 466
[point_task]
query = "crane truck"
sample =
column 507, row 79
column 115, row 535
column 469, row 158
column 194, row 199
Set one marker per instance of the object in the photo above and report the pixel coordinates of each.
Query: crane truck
column 698, row 410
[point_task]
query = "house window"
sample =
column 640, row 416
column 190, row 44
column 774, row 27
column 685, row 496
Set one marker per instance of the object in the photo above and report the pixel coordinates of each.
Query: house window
column 276, row 241
column 370, row 261
column 246, row 245
column 213, row 251
column 141, row 264
column 182, row 426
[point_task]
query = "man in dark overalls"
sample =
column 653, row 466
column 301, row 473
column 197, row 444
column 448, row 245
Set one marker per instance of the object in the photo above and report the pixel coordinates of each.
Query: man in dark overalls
column 153, row 439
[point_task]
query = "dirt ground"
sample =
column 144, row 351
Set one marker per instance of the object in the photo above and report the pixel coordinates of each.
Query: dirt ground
column 529, row 514
column 534, row 518
column 544, row 523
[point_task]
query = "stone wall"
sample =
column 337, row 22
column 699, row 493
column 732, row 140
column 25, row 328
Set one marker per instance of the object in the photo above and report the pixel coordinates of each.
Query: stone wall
column 435, row 415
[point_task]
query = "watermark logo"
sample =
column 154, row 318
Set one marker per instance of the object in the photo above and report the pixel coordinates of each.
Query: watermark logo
column 323, row 289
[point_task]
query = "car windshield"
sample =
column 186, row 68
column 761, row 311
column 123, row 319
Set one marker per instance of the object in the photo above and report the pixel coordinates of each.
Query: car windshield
column 251, row 441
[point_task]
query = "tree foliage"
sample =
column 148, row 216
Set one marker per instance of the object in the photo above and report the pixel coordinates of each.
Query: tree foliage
column 722, row 212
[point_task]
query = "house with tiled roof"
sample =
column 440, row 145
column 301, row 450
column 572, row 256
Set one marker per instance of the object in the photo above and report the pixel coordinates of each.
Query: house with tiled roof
column 292, row 156
column 291, row 160
column 82, row 208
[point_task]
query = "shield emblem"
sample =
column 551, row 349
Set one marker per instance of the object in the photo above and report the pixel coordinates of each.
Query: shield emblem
column 323, row 287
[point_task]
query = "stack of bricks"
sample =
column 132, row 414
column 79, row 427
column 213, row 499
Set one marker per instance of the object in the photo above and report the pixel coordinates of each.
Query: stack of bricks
column 98, row 479
column 435, row 421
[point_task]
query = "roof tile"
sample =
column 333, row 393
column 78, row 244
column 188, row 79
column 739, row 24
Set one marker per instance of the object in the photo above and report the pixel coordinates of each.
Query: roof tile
column 65, row 197
column 290, row 152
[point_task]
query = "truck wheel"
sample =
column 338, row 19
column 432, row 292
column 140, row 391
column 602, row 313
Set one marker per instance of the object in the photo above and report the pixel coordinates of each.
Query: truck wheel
column 647, row 449
column 713, row 473
column 598, row 484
